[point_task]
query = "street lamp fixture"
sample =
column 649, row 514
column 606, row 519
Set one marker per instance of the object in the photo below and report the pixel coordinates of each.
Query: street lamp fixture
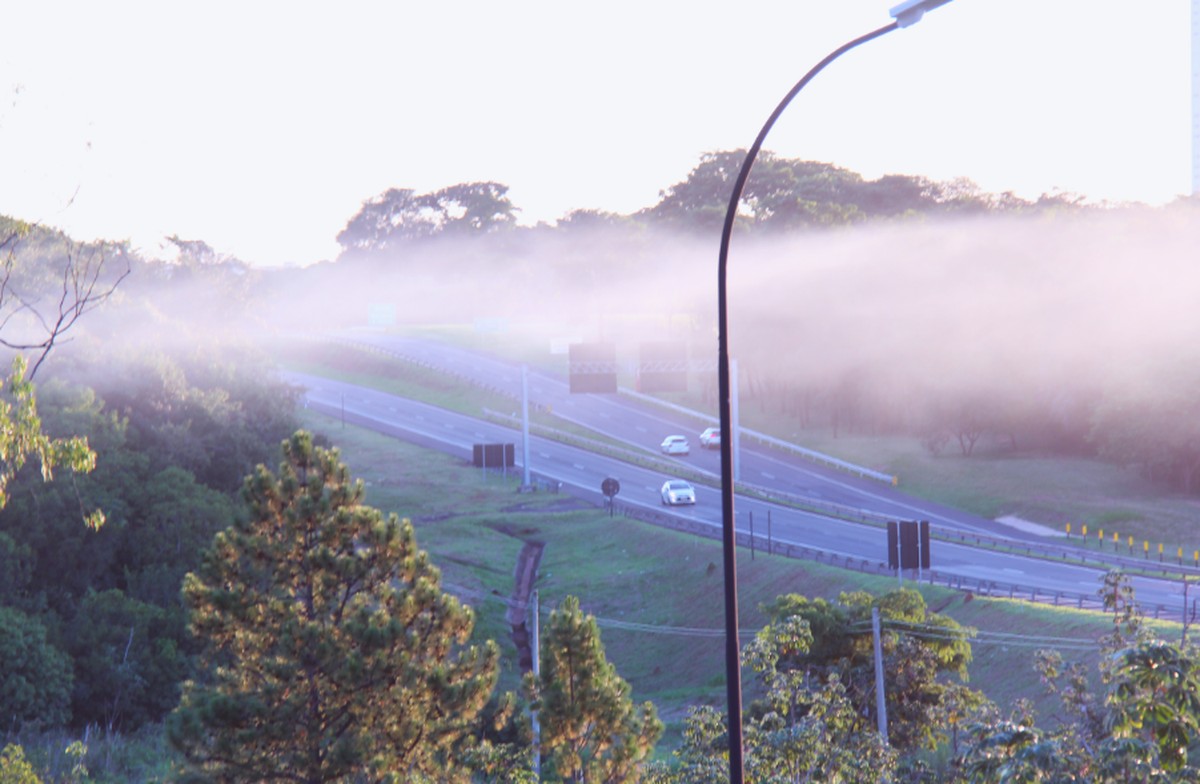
column 906, row 13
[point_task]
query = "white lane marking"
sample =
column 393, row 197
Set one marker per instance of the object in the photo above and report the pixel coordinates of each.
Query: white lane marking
column 768, row 476
column 577, row 467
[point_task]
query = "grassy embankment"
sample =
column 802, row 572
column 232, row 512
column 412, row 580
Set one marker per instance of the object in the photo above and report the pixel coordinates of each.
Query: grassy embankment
column 626, row 572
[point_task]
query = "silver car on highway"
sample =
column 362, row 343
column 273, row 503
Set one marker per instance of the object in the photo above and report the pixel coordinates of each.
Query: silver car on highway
column 677, row 491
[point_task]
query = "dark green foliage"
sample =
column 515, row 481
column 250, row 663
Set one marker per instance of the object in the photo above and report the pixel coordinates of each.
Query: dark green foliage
column 129, row 660
column 330, row 651
column 213, row 413
column 97, row 586
column 400, row 214
column 591, row 730
column 16, row 566
column 159, row 518
column 22, row 438
column 918, row 648
column 1141, row 728
column 804, row 728
column 784, row 194
column 35, row 677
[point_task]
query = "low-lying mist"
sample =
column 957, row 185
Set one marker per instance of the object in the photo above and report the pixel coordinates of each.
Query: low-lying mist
column 972, row 304
column 1040, row 326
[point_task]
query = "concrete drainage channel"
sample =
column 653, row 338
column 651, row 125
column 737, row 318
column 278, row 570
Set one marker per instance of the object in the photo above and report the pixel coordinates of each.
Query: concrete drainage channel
column 524, row 577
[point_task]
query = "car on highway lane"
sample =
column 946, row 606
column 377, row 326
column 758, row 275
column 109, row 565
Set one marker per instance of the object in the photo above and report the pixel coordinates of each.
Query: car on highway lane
column 675, row 445
column 711, row 438
column 676, row 492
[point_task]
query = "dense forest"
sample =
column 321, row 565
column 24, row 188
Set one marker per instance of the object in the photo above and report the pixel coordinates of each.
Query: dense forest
column 969, row 320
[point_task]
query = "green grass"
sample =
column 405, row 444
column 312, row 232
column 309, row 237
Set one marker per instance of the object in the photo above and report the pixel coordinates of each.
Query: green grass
column 625, row 571
column 994, row 482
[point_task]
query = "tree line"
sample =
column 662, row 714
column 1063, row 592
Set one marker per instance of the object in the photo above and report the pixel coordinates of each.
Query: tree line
column 1028, row 393
column 781, row 195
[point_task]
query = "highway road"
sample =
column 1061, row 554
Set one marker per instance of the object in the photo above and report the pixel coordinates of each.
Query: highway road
column 644, row 426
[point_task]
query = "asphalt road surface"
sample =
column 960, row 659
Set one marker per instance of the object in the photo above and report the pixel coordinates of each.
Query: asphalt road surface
column 643, row 426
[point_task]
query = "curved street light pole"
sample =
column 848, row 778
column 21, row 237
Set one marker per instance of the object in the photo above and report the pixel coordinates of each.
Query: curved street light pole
column 905, row 14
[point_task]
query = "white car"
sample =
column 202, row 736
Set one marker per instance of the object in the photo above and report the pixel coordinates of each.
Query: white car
column 675, row 445
column 711, row 438
column 677, row 491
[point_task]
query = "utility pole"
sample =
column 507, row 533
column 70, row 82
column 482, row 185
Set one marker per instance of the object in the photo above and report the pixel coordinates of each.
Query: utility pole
column 536, row 645
column 880, row 695
column 735, row 437
column 525, row 427
column 1196, row 97
column 1183, row 641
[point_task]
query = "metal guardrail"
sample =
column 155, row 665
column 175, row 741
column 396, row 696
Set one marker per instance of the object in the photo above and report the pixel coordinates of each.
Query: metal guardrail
column 1044, row 550
column 1064, row 551
column 977, row 586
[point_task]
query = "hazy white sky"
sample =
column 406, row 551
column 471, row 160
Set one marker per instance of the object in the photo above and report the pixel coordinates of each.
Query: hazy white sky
column 260, row 127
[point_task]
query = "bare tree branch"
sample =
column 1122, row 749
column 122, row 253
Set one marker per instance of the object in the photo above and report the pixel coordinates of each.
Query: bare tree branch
column 85, row 283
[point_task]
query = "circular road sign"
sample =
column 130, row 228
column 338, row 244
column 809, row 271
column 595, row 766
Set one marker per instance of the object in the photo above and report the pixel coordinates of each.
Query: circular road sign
column 610, row 487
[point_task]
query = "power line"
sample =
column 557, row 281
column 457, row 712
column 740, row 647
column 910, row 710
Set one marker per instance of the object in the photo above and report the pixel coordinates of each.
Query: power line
column 924, row 631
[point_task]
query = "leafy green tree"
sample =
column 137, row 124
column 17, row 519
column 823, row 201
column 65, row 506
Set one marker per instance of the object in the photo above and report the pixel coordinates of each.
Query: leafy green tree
column 330, row 651
column 783, row 194
column 591, row 730
column 802, row 729
column 805, row 729
column 1156, row 699
column 1139, row 730
column 397, row 214
column 15, row 769
column 702, row 758
column 474, row 208
column 159, row 519
column 16, row 567
column 211, row 412
column 919, row 648
column 35, row 676
column 22, row 438
column 400, row 215
column 129, row 661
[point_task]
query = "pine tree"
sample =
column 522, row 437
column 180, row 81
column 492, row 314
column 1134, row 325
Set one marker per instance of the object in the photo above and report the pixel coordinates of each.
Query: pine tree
column 590, row 730
column 330, row 651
